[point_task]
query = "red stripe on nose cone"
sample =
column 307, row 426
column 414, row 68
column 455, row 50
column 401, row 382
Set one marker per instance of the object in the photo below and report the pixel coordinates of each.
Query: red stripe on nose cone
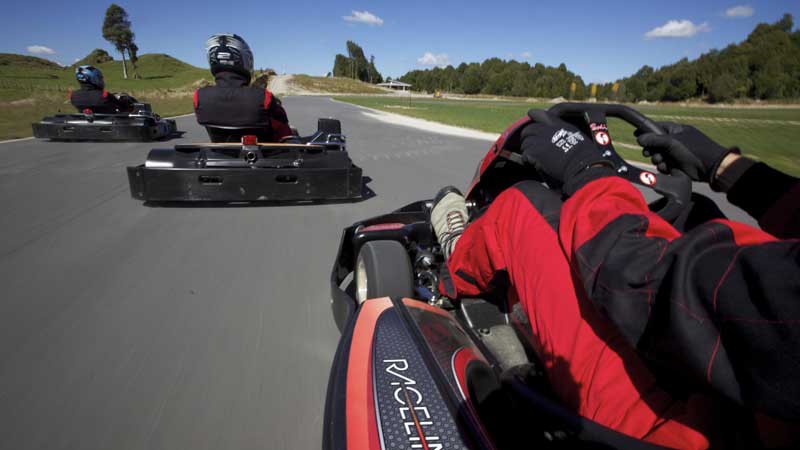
column 416, row 420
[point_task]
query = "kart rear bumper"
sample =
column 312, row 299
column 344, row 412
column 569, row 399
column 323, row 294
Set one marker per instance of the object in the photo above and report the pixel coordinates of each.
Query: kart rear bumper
column 145, row 129
column 156, row 184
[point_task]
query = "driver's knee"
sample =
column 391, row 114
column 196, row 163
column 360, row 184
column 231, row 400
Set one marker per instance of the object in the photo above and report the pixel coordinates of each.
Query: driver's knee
column 543, row 200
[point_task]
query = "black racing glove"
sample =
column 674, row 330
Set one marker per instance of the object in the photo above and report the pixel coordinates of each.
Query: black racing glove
column 684, row 147
column 562, row 154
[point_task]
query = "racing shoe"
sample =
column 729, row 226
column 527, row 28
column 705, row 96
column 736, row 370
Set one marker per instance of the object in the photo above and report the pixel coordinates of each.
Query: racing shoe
column 449, row 217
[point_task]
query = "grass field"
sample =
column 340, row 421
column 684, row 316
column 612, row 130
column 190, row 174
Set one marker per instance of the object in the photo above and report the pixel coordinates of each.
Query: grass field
column 31, row 88
column 768, row 134
column 334, row 85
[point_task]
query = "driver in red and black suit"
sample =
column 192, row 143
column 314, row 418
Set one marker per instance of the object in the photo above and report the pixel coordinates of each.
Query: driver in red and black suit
column 232, row 102
column 644, row 329
column 93, row 97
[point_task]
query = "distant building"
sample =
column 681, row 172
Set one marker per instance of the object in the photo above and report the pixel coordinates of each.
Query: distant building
column 396, row 85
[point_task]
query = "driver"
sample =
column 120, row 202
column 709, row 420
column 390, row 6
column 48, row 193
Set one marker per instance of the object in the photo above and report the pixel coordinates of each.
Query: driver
column 623, row 305
column 93, row 96
column 233, row 103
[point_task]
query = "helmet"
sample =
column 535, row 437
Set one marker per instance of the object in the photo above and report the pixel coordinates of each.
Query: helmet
column 90, row 75
column 229, row 52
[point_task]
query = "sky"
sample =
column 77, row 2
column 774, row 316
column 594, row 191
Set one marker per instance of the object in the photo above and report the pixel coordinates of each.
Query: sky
column 599, row 41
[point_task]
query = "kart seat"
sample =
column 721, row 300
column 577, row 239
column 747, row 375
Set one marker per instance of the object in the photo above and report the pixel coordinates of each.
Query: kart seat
column 220, row 133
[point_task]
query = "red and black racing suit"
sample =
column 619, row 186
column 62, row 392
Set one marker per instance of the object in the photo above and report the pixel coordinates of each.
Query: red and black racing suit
column 617, row 298
column 234, row 103
column 99, row 101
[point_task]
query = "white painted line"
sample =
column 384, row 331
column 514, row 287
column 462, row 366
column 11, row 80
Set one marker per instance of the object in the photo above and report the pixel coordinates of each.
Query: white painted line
column 178, row 117
column 422, row 124
column 17, row 140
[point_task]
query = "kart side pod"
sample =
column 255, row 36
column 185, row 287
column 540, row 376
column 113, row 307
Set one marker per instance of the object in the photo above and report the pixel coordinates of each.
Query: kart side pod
column 396, row 384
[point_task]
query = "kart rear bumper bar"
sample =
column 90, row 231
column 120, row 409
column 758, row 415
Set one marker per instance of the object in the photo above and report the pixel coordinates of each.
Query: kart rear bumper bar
column 146, row 130
column 155, row 184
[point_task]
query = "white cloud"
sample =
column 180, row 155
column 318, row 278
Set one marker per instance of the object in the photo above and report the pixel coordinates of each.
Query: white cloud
column 525, row 55
column 739, row 11
column 429, row 59
column 40, row 50
column 364, row 17
column 677, row 29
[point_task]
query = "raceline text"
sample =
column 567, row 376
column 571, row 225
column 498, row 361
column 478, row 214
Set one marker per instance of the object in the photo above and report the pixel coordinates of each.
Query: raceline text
column 413, row 412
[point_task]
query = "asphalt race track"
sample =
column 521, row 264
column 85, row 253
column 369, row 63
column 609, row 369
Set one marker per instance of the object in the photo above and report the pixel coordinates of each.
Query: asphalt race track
column 125, row 326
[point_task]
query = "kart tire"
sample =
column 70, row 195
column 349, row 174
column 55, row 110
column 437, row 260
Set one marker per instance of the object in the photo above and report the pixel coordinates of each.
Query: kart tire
column 386, row 268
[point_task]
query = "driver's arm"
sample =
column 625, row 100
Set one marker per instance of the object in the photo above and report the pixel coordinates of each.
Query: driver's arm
column 279, row 120
column 719, row 304
column 770, row 196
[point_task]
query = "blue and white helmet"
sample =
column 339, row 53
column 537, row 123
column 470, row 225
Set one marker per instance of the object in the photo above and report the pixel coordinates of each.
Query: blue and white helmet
column 229, row 52
column 90, row 75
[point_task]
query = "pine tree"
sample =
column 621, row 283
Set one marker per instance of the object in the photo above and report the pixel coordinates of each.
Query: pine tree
column 117, row 31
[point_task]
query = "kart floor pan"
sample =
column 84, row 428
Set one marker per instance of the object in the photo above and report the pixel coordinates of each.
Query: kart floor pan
column 155, row 184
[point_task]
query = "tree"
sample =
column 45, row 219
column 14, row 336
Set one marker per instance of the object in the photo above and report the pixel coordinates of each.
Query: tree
column 133, row 49
column 341, row 66
column 359, row 64
column 117, row 31
column 766, row 65
column 355, row 65
column 375, row 77
column 472, row 82
column 723, row 88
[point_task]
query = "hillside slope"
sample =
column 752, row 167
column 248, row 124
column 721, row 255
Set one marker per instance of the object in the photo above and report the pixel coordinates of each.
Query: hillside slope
column 31, row 87
column 306, row 84
column 26, row 74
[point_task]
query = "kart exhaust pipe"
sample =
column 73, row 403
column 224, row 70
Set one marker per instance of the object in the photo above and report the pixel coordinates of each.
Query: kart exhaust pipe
column 250, row 156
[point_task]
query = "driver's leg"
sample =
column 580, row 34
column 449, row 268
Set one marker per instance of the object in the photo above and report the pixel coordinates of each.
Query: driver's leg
column 591, row 367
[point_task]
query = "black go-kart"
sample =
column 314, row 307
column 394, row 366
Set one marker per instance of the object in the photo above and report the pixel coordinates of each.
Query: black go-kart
column 141, row 124
column 416, row 370
column 311, row 168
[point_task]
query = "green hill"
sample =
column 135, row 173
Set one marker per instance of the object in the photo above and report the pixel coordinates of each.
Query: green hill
column 8, row 60
column 97, row 56
column 31, row 87
column 22, row 76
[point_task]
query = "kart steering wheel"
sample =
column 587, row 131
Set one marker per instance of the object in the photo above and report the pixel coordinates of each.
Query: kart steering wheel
column 676, row 188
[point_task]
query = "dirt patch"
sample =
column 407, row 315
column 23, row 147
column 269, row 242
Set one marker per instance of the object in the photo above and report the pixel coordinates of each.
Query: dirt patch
column 282, row 85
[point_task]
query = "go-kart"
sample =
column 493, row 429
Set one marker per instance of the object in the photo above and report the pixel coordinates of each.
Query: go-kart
column 141, row 124
column 311, row 168
column 414, row 369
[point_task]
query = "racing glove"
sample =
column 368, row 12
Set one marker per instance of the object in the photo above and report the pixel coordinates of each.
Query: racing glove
column 684, row 147
column 565, row 157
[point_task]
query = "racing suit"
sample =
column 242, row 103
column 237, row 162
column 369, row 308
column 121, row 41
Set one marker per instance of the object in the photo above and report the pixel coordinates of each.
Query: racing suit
column 619, row 301
column 99, row 101
column 233, row 103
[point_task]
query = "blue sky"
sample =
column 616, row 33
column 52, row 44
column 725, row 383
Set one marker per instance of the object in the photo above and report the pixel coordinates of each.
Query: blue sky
column 600, row 41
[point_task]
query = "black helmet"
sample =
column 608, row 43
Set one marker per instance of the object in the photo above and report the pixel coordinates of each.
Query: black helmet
column 229, row 52
column 90, row 75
